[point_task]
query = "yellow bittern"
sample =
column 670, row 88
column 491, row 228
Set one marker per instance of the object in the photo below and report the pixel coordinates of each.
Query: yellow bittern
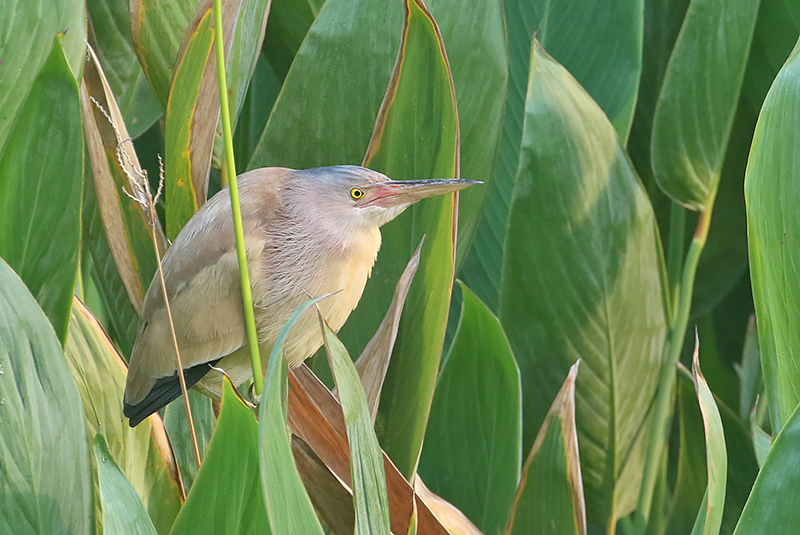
column 307, row 233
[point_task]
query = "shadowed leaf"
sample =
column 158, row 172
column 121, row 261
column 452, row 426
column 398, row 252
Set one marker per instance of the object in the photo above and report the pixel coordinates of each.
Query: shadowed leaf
column 226, row 495
column 476, row 421
column 416, row 136
column 41, row 182
column 550, row 494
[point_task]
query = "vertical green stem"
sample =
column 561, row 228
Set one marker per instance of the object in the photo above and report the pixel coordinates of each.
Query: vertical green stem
column 677, row 228
column 230, row 171
column 672, row 353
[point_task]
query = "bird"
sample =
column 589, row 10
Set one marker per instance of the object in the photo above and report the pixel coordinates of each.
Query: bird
column 307, row 233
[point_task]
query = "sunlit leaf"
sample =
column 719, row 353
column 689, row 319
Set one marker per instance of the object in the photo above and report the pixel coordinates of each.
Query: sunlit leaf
column 773, row 225
column 142, row 453
column 698, row 99
column 45, row 484
column 123, row 512
column 368, row 479
column 582, row 279
column 28, row 29
column 226, row 495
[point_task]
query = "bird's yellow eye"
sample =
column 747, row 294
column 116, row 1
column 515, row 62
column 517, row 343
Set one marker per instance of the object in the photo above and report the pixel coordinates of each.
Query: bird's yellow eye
column 356, row 193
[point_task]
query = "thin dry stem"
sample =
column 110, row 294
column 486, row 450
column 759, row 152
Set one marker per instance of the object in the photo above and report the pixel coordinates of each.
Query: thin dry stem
column 140, row 193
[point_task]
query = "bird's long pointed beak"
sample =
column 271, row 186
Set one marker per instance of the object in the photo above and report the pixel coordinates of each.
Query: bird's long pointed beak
column 405, row 192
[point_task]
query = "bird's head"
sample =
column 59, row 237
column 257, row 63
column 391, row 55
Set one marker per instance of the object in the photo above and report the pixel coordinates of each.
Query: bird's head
column 359, row 197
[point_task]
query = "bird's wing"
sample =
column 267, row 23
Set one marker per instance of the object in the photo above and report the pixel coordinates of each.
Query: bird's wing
column 202, row 279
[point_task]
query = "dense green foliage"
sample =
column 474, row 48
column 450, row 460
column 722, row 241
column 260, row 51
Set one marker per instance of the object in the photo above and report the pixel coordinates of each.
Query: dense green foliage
column 639, row 166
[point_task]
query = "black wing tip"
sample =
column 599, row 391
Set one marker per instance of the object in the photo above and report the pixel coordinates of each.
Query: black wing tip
column 164, row 391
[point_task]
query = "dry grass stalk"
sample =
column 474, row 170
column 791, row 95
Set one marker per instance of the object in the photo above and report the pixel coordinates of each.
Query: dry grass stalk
column 140, row 193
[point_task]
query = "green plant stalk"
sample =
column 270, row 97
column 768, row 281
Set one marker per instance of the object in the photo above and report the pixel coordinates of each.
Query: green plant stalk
column 672, row 354
column 677, row 229
column 229, row 169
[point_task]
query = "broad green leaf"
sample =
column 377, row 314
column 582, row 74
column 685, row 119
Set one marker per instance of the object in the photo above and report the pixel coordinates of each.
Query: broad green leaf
column 188, row 158
column 114, row 166
column 416, row 136
column 773, row 224
column 261, row 94
column 111, row 38
column 449, row 515
column 157, row 28
column 289, row 21
column 367, row 477
column 123, row 321
column 192, row 128
column 288, row 506
column 226, row 495
column 177, row 425
column 27, row 29
column 709, row 518
column 698, row 98
column 327, row 106
column 550, row 494
column 476, row 421
column 123, row 512
column 591, row 38
column 142, row 453
column 41, row 182
column 762, row 443
column 474, row 37
column 45, row 483
column 582, row 278
column 774, row 503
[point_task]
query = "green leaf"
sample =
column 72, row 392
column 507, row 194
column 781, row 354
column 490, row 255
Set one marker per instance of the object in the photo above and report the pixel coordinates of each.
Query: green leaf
column 583, row 278
column 28, row 29
column 41, row 180
column 188, row 158
column 114, row 164
column 180, row 438
column 368, row 479
column 550, row 495
column 591, row 39
column 288, row 506
column 123, row 512
column 476, row 421
column 157, row 28
column 326, row 109
column 261, row 94
column 751, row 383
column 709, row 518
column 226, row 495
column 698, row 99
column 774, row 504
column 111, row 39
column 772, row 228
column 193, row 130
column 123, row 321
column 45, row 484
column 289, row 21
column 474, row 37
column 143, row 453
column 416, row 136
